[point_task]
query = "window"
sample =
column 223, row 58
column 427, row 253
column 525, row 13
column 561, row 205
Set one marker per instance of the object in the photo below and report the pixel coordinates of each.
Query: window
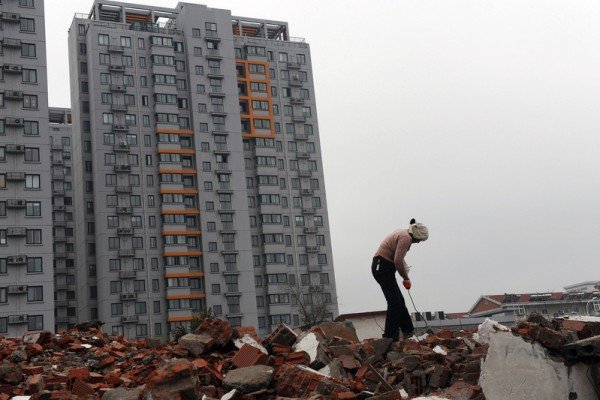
column 35, row 293
column 34, row 264
column 33, row 209
column 32, row 181
column 283, row 57
column 195, row 32
column 30, row 101
column 103, row 39
column 301, row 58
column 322, row 259
column 116, row 309
column 2, row 209
column 2, row 236
column 116, row 287
column 28, row 50
column 32, row 154
column 29, row 76
column 105, row 79
column 35, row 322
column 141, row 43
column 125, row 41
column 27, row 25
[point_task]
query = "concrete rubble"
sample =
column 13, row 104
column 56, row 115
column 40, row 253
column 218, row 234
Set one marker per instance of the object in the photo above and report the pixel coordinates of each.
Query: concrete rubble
column 324, row 362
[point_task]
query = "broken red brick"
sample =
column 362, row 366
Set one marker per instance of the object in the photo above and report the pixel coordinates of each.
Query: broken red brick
column 247, row 356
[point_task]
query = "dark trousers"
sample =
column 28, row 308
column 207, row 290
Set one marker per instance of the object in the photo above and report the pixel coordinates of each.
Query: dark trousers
column 397, row 316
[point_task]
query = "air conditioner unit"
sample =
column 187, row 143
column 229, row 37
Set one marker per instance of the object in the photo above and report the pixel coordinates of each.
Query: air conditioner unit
column 16, row 260
column 12, row 68
column 59, row 208
column 123, row 143
column 17, row 319
column 296, row 77
column 14, row 121
column 6, row 16
column 16, row 231
column 16, row 203
column 17, row 289
column 15, row 148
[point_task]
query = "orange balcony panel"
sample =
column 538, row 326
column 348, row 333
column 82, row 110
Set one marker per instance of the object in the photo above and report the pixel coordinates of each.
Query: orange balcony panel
column 186, row 233
column 180, row 212
column 176, row 131
column 176, row 151
column 178, row 171
column 182, row 253
column 178, row 191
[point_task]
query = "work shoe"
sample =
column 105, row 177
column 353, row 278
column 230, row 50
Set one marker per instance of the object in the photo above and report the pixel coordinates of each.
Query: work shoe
column 408, row 335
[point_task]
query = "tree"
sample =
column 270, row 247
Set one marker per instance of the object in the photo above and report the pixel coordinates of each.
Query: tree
column 313, row 303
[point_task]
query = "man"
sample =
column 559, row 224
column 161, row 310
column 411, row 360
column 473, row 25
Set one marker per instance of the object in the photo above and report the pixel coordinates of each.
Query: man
column 388, row 259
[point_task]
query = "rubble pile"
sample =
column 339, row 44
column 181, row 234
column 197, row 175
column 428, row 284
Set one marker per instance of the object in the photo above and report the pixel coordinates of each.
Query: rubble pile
column 217, row 361
column 220, row 362
column 572, row 340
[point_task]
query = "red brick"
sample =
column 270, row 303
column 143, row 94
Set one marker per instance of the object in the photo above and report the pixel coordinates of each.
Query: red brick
column 79, row 373
column 106, row 361
column 580, row 327
column 35, row 383
column 247, row 356
column 38, row 369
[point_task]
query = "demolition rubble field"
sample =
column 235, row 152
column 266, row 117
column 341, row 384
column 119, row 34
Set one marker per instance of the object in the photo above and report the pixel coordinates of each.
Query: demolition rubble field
column 220, row 362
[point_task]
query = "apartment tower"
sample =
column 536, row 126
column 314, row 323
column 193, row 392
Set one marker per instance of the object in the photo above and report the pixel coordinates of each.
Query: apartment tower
column 197, row 169
column 26, row 262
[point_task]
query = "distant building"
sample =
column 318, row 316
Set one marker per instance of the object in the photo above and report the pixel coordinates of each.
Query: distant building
column 589, row 286
column 551, row 305
column 370, row 324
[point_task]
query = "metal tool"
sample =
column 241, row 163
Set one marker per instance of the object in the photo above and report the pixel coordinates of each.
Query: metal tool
column 417, row 311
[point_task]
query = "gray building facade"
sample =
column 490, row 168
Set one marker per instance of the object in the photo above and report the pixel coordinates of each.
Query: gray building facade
column 26, row 261
column 197, row 170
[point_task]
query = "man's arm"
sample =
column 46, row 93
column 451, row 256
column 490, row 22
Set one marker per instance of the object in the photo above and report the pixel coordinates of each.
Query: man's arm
column 401, row 249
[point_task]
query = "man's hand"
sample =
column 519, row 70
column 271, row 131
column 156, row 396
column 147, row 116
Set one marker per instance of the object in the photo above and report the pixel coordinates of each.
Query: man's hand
column 407, row 284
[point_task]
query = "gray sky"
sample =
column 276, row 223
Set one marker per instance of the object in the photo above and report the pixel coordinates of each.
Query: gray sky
column 479, row 118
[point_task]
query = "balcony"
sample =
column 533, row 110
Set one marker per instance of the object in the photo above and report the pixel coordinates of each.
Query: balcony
column 227, row 227
column 58, row 176
column 116, row 68
column 229, row 248
column 224, row 187
column 120, row 128
column 214, row 72
column 16, row 260
column 304, row 174
column 59, row 208
column 124, row 210
column 58, row 193
column 309, row 210
column 57, row 162
column 118, row 107
column 307, row 192
column 12, row 68
column 299, row 118
column 13, row 95
column 301, row 136
column 223, row 168
column 121, row 148
column 17, row 289
column 16, row 231
column 126, row 252
column 314, row 268
column 130, row 319
column 59, row 223
column 122, row 189
column 118, row 88
column 125, row 231
column 16, row 203
column 61, row 286
column 115, row 49
column 15, row 148
column 17, row 319
column 213, row 53
column 128, row 296
column 221, row 148
column 302, row 155
column 313, row 249
column 297, row 101
column 295, row 82
column 293, row 65
column 61, row 271
column 123, row 168
column 60, row 255
column 57, row 147
column 11, row 17
column 15, row 176
column 218, row 109
column 127, row 274
column 12, row 43
column 211, row 35
column 310, row 229
column 60, row 239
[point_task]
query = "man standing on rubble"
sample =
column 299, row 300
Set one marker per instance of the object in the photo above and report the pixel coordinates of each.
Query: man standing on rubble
column 388, row 259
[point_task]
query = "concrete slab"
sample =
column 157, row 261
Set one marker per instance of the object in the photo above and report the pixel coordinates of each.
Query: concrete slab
column 517, row 370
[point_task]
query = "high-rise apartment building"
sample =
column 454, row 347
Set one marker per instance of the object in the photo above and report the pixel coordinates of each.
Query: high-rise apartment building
column 65, row 301
column 26, row 263
column 197, row 171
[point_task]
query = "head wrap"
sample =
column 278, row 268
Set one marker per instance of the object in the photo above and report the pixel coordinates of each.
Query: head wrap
column 418, row 230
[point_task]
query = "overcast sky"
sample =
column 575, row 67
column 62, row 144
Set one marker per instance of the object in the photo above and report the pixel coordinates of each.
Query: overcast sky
column 479, row 118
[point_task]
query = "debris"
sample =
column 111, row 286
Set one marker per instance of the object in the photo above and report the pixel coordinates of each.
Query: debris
column 249, row 379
